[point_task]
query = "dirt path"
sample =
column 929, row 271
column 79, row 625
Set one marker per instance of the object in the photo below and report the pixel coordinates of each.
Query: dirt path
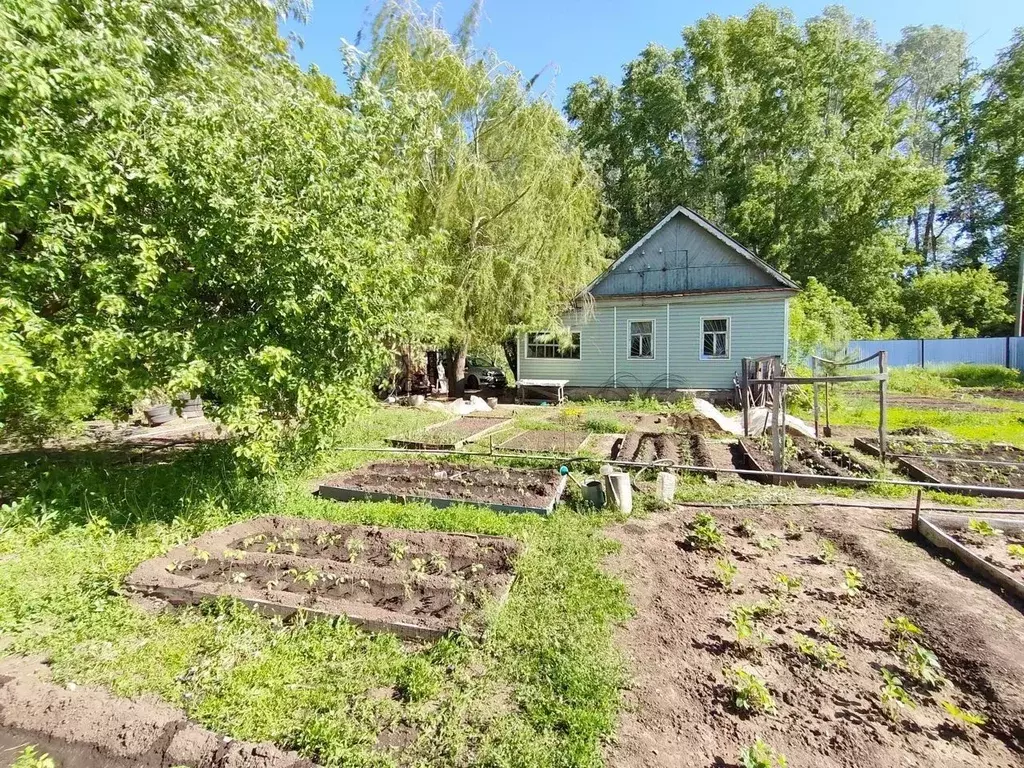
column 680, row 712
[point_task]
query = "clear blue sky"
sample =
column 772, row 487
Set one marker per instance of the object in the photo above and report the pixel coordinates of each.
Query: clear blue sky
column 578, row 39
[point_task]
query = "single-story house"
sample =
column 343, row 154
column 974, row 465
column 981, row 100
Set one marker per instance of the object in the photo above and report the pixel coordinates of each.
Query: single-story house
column 675, row 313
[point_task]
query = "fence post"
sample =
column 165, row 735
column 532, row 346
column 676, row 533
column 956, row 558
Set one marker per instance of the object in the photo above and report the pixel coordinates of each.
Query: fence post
column 922, row 353
column 1007, row 351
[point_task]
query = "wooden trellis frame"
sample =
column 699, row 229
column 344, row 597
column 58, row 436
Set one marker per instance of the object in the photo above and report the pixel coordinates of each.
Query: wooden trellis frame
column 778, row 383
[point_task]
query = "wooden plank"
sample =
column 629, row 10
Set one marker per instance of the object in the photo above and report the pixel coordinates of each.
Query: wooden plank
column 982, row 567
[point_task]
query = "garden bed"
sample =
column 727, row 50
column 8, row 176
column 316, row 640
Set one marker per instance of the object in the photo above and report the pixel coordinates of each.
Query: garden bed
column 992, row 547
column 558, row 441
column 89, row 728
column 944, row 462
column 451, row 434
column 503, row 489
column 808, row 614
column 416, row 584
column 803, row 455
column 665, row 448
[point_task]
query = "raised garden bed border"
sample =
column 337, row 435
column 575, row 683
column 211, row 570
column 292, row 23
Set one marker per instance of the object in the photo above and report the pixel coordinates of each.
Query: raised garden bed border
column 153, row 578
column 915, row 471
column 766, row 472
column 403, row 442
column 932, row 531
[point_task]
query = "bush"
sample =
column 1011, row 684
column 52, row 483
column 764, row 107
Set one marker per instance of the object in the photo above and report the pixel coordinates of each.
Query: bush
column 995, row 376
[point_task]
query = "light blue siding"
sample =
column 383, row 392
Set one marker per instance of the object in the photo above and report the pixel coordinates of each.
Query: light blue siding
column 757, row 327
column 682, row 257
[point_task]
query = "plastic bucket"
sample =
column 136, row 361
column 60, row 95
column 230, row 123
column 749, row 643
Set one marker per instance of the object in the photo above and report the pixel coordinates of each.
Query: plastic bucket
column 593, row 492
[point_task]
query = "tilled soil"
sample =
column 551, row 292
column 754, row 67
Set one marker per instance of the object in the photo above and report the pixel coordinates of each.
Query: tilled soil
column 546, row 441
column 533, row 488
column 681, row 711
column 667, row 422
column 992, row 465
column 994, row 548
column 941, row 403
column 650, row 447
column 811, row 457
column 418, row 584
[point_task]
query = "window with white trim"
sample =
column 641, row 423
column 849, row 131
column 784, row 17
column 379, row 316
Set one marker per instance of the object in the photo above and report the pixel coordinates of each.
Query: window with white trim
column 641, row 339
column 544, row 346
column 714, row 338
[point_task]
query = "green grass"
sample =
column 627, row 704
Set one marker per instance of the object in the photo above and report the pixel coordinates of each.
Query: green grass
column 541, row 689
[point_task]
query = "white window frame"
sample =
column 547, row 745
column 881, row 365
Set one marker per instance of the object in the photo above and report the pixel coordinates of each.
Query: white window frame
column 528, row 356
column 629, row 339
column 728, row 339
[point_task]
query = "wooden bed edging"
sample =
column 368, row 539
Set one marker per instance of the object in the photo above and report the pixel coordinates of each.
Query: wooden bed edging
column 982, row 567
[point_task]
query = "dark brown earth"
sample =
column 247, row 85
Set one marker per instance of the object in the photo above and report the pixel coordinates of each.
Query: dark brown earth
column 987, row 464
column 89, row 728
column 468, row 483
column 449, row 434
column 564, row 442
column 417, row 584
column 941, row 403
column 994, row 548
column 667, row 448
column 808, row 456
column 680, row 710
column 667, row 422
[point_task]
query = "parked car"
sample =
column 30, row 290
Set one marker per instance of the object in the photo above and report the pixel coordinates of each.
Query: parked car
column 482, row 373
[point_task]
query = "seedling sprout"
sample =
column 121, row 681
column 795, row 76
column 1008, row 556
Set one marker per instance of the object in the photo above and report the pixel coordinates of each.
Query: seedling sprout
column 964, row 719
column 749, row 691
column 760, row 755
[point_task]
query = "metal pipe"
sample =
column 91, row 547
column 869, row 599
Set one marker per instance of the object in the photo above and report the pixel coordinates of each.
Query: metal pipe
column 697, row 469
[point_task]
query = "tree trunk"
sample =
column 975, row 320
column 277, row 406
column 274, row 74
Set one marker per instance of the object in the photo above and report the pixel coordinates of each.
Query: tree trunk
column 511, row 349
column 457, row 377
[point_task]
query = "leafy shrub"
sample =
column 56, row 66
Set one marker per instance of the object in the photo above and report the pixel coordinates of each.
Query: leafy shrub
column 994, row 376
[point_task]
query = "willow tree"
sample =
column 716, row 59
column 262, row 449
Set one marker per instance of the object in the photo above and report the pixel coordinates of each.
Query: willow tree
column 503, row 189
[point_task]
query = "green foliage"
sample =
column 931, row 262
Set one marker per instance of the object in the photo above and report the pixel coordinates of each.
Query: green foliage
column 982, row 527
column 74, row 527
column 725, row 573
column 963, row 718
column 31, row 757
column 184, row 209
column 750, row 638
column 788, row 585
column 853, row 582
column 922, row 665
column 825, row 655
column 823, row 323
column 995, row 376
column 827, row 628
column 761, row 755
column 515, row 205
column 901, row 631
column 704, row 533
column 1016, row 551
column 893, row 697
column 826, row 552
column 750, row 693
column 944, row 304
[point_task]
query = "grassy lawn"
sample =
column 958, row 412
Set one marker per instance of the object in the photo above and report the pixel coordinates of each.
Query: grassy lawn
column 541, row 689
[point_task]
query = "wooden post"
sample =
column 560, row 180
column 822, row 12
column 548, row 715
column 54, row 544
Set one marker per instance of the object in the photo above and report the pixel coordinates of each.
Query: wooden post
column 814, row 387
column 776, row 437
column 745, row 395
column 883, row 388
column 917, row 510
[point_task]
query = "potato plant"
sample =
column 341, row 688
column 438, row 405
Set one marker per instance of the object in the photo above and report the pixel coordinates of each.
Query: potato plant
column 750, row 693
column 982, row 528
column 824, row 655
column 704, row 532
column 963, row 719
column 724, row 573
column 761, row 755
column 893, row 697
column 853, row 582
column 923, row 665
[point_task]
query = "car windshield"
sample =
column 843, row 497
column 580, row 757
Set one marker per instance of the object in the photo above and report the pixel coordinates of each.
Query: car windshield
column 479, row 362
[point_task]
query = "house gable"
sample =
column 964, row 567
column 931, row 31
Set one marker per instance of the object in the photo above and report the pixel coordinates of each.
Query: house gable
column 685, row 253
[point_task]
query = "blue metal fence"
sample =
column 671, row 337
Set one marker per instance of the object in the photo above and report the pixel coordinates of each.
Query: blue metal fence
column 937, row 352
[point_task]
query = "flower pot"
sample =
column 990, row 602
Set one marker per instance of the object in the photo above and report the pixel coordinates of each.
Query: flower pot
column 159, row 414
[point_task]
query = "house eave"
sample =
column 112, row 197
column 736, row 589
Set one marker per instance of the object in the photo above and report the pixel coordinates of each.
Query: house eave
column 765, row 290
